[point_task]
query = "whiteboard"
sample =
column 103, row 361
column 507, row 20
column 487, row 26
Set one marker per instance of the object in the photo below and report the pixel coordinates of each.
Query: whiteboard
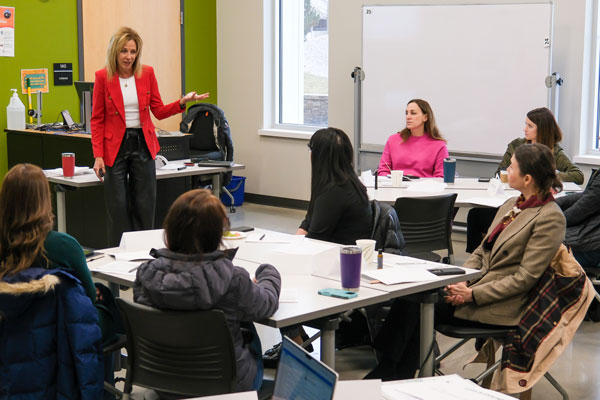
column 480, row 67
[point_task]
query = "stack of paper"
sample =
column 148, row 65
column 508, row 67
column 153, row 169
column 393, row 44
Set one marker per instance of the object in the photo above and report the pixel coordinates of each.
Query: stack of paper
column 449, row 387
column 399, row 274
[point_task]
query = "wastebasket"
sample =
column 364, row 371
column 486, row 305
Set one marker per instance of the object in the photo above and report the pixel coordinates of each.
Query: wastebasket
column 236, row 188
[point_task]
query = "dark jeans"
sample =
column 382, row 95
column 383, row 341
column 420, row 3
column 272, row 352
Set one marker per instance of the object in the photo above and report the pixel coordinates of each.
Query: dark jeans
column 130, row 188
column 399, row 338
column 478, row 223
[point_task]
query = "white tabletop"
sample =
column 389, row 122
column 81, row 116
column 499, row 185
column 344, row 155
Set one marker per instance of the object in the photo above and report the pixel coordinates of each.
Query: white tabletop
column 90, row 179
column 470, row 192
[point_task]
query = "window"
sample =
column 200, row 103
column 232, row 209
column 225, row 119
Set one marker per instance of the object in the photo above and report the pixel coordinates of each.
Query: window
column 301, row 86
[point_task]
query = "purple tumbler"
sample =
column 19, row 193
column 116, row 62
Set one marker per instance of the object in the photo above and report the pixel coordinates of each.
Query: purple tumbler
column 350, row 261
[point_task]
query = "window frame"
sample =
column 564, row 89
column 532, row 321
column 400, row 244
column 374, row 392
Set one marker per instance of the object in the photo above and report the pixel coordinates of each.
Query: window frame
column 273, row 79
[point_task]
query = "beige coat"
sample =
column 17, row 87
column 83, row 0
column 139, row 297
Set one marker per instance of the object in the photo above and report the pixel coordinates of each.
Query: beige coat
column 552, row 346
column 519, row 257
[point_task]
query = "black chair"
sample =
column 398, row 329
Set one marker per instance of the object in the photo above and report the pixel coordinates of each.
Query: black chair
column 426, row 223
column 115, row 349
column 466, row 334
column 211, row 140
column 188, row 353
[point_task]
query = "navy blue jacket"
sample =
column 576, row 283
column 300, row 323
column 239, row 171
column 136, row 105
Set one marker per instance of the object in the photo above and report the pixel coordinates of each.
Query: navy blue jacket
column 50, row 341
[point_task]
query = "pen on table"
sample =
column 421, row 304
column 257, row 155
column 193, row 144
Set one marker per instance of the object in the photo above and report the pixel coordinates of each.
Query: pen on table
column 99, row 256
column 262, row 237
column 181, row 168
column 134, row 268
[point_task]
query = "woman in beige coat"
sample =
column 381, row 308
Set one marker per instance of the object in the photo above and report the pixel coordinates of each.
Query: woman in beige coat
column 524, row 237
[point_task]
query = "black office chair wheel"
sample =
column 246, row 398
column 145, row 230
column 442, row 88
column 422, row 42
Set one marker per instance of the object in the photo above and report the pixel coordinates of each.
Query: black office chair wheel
column 231, row 209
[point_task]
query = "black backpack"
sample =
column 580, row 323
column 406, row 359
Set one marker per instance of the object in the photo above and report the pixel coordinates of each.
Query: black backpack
column 212, row 136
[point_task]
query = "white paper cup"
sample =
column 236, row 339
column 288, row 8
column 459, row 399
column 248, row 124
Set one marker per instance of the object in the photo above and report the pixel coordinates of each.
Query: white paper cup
column 368, row 249
column 397, row 178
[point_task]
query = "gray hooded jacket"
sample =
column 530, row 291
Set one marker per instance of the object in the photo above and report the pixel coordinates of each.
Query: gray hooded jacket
column 210, row 281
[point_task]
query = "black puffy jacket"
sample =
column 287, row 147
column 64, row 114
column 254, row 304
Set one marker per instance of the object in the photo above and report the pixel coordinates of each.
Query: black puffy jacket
column 386, row 229
column 582, row 212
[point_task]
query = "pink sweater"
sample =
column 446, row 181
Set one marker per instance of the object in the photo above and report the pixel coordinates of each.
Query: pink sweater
column 420, row 156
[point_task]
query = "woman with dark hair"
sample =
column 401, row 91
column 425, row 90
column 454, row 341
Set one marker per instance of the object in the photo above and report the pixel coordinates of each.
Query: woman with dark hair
column 193, row 274
column 339, row 209
column 419, row 149
column 540, row 127
column 51, row 341
column 528, row 230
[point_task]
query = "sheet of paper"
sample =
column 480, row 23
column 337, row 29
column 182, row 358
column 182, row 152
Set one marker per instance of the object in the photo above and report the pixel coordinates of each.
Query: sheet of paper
column 400, row 274
column 172, row 167
column 116, row 267
column 363, row 389
column 426, row 186
column 142, row 240
column 59, row 171
column 269, row 238
column 571, row 187
column 132, row 255
column 288, row 295
column 491, row 201
column 449, row 387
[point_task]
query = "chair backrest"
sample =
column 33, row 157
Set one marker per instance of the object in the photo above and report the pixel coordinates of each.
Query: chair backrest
column 426, row 222
column 189, row 353
column 386, row 229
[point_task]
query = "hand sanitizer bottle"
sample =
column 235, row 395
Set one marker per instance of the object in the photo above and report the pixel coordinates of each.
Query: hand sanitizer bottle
column 15, row 112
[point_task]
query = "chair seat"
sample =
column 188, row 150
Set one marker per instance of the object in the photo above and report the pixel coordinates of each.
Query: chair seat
column 462, row 332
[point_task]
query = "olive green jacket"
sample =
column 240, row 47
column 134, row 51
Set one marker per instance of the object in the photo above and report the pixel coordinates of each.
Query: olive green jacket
column 568, row 172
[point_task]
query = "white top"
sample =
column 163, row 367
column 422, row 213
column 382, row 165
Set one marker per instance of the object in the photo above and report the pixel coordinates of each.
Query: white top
column 130, row 101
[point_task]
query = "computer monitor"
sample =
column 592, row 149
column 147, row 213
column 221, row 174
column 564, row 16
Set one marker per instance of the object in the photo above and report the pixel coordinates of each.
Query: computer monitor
column 85, row 92
column 301, row 376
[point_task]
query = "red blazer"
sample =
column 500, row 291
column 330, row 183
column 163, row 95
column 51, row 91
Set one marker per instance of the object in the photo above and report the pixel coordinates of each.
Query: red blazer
column 108, row 114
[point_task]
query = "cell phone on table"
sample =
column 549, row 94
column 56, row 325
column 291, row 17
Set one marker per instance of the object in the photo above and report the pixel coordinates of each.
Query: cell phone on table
column 447, row 271
column 482, row 179
column 338, row 293
column 242, row 229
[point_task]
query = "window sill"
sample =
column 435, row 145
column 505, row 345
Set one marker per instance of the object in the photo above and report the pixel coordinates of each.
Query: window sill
column 587, row 159
column 285, row 133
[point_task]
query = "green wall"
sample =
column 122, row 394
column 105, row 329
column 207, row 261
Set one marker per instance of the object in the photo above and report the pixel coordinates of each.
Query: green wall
column 200, row 21
column 46, row 33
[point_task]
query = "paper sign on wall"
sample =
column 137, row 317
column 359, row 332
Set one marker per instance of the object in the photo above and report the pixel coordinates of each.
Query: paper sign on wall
column 7, row 31
column 38, row 79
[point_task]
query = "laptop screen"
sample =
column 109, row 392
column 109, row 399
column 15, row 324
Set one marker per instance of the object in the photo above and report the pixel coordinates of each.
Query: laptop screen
column 300, row 376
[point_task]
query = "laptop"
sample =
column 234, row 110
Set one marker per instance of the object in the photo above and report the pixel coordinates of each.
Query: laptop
column 301, row 376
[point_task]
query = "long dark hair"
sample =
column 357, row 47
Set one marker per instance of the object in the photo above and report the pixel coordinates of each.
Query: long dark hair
column 331, row 162
column 536, row 160
column 195, row 223
column 548, row 131
column 25, row 218
column 429, row 127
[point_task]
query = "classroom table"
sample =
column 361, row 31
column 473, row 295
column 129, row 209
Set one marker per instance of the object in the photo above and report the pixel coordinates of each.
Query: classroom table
column 471, row 192
column 90, row 179
column 309, row 306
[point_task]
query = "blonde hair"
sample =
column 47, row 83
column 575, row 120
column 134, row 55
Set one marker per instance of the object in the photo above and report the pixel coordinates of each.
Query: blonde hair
column 430, row 126
column 123, row 35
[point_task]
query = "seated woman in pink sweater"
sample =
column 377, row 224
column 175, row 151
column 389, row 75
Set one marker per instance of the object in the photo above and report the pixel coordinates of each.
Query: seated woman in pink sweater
column 419, row 149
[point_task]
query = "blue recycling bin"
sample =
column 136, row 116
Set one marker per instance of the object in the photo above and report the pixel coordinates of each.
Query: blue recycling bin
column 236, row 187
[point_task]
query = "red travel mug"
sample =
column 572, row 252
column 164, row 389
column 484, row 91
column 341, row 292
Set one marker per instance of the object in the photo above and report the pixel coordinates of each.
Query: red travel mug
column 68, row 164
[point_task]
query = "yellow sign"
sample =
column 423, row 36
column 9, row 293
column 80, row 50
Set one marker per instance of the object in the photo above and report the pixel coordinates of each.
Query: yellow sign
column 38, row 79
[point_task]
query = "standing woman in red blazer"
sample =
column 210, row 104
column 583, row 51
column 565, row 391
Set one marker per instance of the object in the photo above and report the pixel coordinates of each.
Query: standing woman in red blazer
column 123, row 137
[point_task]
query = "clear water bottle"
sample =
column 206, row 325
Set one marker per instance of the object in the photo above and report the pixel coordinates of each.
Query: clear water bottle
column 15, row 112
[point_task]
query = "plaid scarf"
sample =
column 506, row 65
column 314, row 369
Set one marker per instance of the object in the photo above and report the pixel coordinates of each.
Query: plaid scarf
column 520, row 205
column 552, row 296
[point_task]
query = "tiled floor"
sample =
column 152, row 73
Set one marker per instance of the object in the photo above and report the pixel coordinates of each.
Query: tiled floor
column 576, row 369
